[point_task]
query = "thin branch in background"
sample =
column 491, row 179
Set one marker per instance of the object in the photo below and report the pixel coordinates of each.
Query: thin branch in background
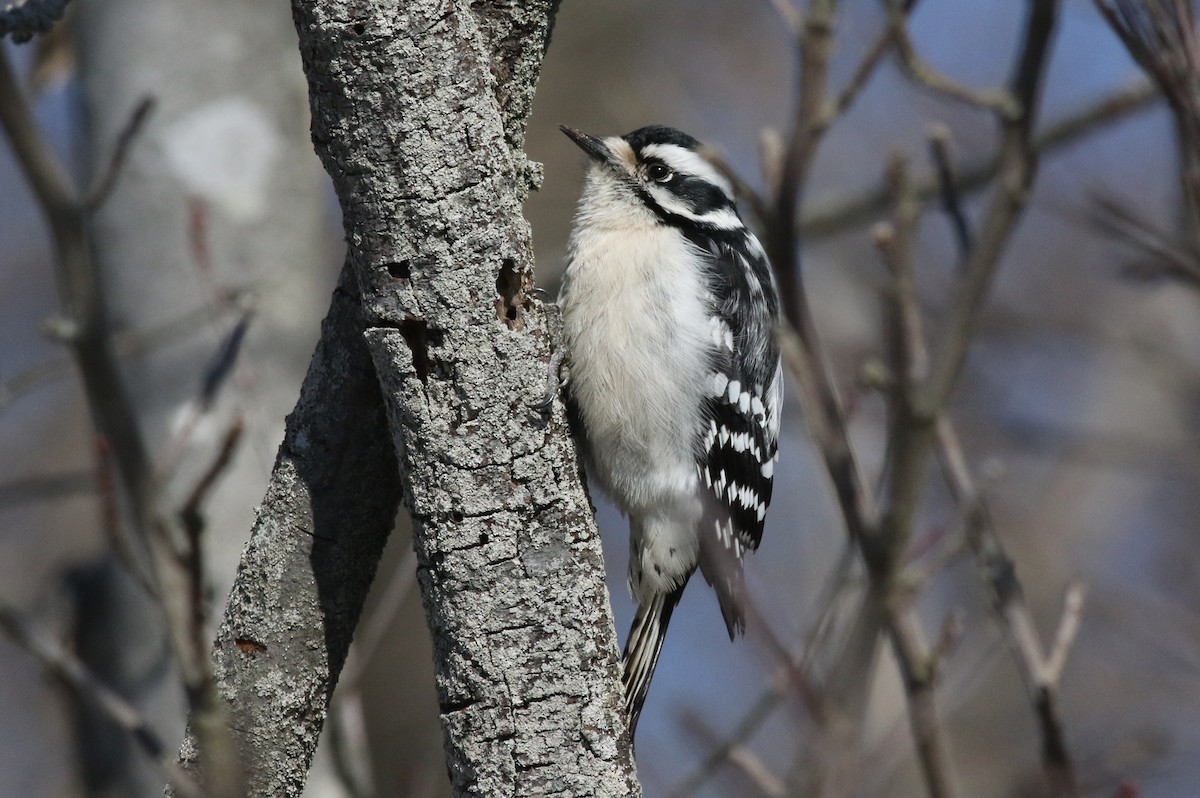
column 349, row 744
column 347, row 722
column 947, row 181
column 826, row 423
column 376, row 627
column 802, row 683
column 779, row 684
column 67, row 667
column 1014, row 178
column 1064, row 637
column 223, row 361
column 156, row 531
column 789, row 15
column 909, row 364
column 751, row 768
column 1163, row 256
column 190, row 510
column 999, row 101
column 1041, row 673
column 116, row 163
column 867, row 65
column 839, row 216
column 953, row 627
column 918, row 670
column 896, row 241
column 116, row 532
column 125, row 344
column 1161, row 36
column 214, row 377
column 46, row 487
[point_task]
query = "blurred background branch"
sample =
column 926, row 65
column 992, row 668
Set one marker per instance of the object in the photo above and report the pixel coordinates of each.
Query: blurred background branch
column 169, row 564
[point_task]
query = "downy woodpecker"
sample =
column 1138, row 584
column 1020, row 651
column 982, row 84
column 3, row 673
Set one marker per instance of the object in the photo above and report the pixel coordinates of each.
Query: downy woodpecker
column 668, row 308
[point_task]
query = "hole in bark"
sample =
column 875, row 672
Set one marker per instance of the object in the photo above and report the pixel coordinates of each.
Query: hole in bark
column 456, row 517
column 248, row 646
column 511, row 285
column 483, row 538
column 401, row 270
column 416, row 335
column 359, row 29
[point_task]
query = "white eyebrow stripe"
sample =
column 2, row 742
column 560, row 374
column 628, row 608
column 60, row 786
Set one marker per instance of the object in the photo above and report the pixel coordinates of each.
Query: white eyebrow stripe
column 684, row 161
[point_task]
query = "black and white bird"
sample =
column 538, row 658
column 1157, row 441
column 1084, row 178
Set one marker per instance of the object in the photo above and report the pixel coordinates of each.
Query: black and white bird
column 669, row 307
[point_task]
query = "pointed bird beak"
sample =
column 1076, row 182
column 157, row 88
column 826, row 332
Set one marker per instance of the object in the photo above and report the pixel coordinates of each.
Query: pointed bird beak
column 594, row 147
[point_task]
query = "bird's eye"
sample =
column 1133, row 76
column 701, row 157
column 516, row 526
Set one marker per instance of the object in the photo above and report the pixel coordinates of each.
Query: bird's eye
column 659, row 173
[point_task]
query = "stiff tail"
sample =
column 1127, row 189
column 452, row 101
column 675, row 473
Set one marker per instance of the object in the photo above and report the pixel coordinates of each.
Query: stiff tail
column 642, row 649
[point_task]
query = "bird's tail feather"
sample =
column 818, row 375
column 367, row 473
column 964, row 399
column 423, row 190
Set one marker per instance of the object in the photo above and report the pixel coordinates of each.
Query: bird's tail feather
column 642, row 649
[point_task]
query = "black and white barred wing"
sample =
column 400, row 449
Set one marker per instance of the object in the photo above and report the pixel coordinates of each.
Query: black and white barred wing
column 739, row 448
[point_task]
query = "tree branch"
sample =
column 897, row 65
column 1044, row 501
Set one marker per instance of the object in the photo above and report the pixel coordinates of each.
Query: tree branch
column 156, row 529
column 68, row 668
column 834, row 217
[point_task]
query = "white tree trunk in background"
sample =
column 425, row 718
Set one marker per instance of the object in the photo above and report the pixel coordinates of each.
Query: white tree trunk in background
column 220, row 192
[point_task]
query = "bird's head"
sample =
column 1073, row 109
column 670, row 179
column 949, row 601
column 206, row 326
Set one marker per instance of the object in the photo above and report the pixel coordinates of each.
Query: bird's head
column 657, row 169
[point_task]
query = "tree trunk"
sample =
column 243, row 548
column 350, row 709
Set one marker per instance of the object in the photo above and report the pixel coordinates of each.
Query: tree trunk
column 423, row 141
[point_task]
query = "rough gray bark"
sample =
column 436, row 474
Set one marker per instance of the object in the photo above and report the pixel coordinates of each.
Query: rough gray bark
column 331, row 503
column 424, row 142
column 407, row 119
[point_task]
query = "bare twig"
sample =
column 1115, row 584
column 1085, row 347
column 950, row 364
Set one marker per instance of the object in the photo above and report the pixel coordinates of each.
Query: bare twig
column 801, row 681
column 947, row 180
column 1041, row 673
column 838, row 216
column 1161, row 36
column 827, row 427
column 778, row 685
column 1018, row 166
column 949, row 638
column 108, row 180
column 918, row 670
column 376, row 627
column 190, row 511
column 752, row 769
column 124, row 344
column 999, row 101
column 1165, row 255
column 1064, row 637
column 84, row 328
column 883, row 43
column 68, row 668
column 349, row 745
column 789, row 14
column 908, row 435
